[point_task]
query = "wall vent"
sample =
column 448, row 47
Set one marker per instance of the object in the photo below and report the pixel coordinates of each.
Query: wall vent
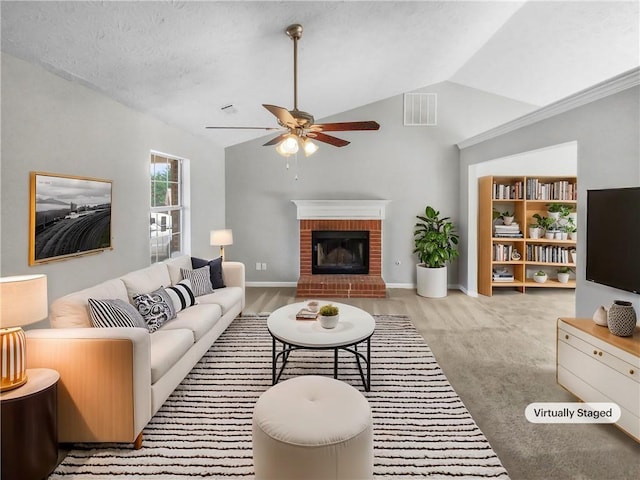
column 420, row 109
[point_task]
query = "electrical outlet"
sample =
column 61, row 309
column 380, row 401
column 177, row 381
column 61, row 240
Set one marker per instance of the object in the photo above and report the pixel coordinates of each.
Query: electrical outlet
column 264, row 266
column 258, row 266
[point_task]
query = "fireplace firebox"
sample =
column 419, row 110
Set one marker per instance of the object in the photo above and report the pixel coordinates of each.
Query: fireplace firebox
column 340, row 252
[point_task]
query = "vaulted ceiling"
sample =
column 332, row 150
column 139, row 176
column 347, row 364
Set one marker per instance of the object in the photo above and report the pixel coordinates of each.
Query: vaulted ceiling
column 182, row 62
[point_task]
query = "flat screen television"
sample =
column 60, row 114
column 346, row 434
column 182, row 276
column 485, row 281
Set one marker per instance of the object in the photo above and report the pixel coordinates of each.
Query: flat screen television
column 613, row 238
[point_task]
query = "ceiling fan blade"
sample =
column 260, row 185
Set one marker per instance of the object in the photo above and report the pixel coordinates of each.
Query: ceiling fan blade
column 276, row 140
column 283, row 115
column 246, row 128
column 345, row 126
column 335, row 141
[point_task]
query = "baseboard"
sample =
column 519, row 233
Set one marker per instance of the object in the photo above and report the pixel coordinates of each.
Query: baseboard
column 271, row 284
column 401, row 285
column 470, row 293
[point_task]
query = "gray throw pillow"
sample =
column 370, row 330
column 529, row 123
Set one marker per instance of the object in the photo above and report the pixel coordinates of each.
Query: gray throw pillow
column 156, row 308
column 200, row 280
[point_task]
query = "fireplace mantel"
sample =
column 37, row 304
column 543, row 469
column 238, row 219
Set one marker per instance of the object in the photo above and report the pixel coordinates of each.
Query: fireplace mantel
column 341, row 209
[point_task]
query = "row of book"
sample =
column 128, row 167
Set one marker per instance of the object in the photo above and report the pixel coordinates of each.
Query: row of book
column 502, row 253
column 547, row 253
column 536, row 190
column 502, row 274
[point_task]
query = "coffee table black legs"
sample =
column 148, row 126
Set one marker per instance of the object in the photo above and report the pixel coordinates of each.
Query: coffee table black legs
column 283, row 355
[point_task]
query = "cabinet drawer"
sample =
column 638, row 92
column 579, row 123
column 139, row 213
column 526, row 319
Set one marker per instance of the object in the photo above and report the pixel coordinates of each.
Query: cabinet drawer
column 607, row 356
column 620, row 388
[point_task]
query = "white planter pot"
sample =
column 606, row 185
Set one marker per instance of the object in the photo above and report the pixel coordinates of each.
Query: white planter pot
column 563, row 277
column 573, row 236
column 507, row 220
column 431, row 282
column 534, row 232
column 328, row 322
column 549, row 235
column 540, row 278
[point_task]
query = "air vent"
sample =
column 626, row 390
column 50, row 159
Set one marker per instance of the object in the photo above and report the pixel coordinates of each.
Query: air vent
column 420, row 109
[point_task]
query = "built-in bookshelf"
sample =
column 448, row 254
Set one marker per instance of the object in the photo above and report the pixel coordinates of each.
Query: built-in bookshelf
column 508, row 256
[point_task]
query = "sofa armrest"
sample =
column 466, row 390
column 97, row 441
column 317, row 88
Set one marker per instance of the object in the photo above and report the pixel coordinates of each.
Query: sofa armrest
column 234, row 276
column 104, row 393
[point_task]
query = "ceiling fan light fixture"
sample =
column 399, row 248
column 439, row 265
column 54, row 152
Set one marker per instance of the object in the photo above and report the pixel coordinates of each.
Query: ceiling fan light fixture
column 288, row 146
column 309, row 147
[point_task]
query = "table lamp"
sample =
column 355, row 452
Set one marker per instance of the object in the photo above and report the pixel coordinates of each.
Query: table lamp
column 220, row 238
column 23, row 300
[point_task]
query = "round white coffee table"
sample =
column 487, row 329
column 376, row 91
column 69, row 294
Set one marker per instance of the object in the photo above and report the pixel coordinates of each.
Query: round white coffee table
column 355, row 326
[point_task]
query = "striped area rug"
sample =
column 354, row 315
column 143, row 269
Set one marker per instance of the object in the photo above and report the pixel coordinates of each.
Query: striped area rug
column 421, row 427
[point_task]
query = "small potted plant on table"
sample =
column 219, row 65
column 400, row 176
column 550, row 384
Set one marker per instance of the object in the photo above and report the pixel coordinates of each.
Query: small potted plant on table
column 328, row 316
column 563, row 274
column 540, row 276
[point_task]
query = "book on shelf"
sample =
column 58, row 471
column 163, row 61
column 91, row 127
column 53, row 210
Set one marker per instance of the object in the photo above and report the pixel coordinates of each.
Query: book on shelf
column 503, row 279
column 306, row 314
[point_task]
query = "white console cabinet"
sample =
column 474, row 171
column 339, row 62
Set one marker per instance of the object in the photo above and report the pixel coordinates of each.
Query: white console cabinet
column 597, row 366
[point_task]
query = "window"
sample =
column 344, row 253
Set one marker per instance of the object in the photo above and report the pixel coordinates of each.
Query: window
column 166, row 220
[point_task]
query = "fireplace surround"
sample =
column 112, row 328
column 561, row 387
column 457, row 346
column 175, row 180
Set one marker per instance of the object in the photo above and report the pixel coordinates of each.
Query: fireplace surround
column 340, row 216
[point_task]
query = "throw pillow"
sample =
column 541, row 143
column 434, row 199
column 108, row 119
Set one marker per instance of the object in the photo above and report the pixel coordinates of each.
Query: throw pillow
column 114, row 313
column 156, row 308
column 181, row 295
column 215, row 270
column 199, row 279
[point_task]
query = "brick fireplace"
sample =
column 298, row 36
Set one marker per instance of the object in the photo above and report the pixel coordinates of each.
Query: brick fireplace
column 348, row 216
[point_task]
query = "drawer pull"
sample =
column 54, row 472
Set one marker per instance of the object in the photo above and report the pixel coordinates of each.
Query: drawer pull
column 566, row 337
column 632, row 371
column 595, row 352
column 600, row 353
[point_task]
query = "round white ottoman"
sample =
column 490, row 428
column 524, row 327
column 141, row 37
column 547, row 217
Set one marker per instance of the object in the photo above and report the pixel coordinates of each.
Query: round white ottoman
column 312, row 428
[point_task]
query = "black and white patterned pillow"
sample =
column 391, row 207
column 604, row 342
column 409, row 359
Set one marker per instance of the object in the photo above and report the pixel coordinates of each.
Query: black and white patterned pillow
column 156, row 308
column 200, row 280
column 181, row 295
column 107, row 313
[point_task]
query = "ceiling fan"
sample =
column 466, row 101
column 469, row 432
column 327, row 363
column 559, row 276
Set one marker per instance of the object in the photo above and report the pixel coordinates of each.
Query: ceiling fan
column 299, row 125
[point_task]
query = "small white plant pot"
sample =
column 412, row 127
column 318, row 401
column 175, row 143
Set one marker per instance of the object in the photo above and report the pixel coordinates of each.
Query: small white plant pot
column 554, row 215
column 563, row 235
column 549, row 235
column 507, row 220
column 563, row 277
column 540, row 278
column 328, row 322
column 573, row 236
column 534, row 232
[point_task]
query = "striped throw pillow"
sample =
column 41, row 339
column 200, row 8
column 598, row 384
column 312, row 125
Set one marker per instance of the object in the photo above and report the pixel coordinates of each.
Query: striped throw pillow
column 114, row 313
column 200, row 280
column 181, row 295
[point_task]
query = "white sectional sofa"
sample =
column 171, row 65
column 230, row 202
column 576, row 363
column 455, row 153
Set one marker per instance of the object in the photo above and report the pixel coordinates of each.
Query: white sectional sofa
column 113, row 380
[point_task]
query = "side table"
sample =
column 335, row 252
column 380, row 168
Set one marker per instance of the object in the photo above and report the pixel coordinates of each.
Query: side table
column 29, row 433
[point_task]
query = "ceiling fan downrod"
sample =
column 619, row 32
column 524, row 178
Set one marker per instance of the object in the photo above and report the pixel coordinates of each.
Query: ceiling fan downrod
column 294, row 32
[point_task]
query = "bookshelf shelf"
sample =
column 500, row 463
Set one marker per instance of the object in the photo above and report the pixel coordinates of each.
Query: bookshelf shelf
column 524, row 197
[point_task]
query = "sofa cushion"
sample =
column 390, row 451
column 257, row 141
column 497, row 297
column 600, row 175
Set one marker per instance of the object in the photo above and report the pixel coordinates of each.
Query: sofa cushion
column 199, row 319
column 175, row 264
column 226, row 297
column 167, row 347
column 146, row 280
column 181, row 295
column 114, row 313
column 199, row 279
column 72, row 311
column 156, row 308
column 215, row 270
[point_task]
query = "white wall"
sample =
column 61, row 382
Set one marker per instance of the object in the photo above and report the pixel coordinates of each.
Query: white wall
column 607, row 132
column 410, row 166
column 53, row 125
column 561, row 160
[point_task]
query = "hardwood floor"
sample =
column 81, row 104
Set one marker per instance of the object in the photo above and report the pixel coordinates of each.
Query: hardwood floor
column 499, row 354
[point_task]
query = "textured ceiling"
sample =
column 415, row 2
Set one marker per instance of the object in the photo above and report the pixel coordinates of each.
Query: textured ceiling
column 182, row 61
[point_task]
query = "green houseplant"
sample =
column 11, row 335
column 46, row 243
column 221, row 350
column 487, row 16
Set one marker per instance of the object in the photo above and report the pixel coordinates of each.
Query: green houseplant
column 328, row 316
column 435, row 241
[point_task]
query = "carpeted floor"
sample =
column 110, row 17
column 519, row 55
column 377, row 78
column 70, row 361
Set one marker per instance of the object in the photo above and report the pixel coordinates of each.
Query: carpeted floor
column 421, row 427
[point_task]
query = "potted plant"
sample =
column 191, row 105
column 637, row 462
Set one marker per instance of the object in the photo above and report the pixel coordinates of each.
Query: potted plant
column 540, row 276
column 328, row 315
column 563, row 274
column 558, row 210
column 435, row 242
column 545, row 224
column 506, row 216
column 570, row 229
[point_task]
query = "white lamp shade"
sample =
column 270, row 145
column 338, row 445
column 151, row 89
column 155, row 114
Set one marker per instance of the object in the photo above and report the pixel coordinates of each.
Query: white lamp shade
column 23, row 300
column 221, row 237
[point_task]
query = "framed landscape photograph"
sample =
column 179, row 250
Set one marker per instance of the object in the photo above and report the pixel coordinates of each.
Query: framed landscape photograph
column 68, row 216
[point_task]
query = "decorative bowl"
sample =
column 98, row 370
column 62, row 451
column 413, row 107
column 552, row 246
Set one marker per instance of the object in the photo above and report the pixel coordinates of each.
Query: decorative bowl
column 540, row 278
column 313, row 306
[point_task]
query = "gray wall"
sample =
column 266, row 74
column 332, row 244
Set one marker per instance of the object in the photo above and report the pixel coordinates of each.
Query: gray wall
column 411, row 166
column 607, row 132
column 53, row 125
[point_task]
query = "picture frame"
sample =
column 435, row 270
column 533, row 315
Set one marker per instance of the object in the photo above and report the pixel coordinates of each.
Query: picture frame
column 69, row 216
